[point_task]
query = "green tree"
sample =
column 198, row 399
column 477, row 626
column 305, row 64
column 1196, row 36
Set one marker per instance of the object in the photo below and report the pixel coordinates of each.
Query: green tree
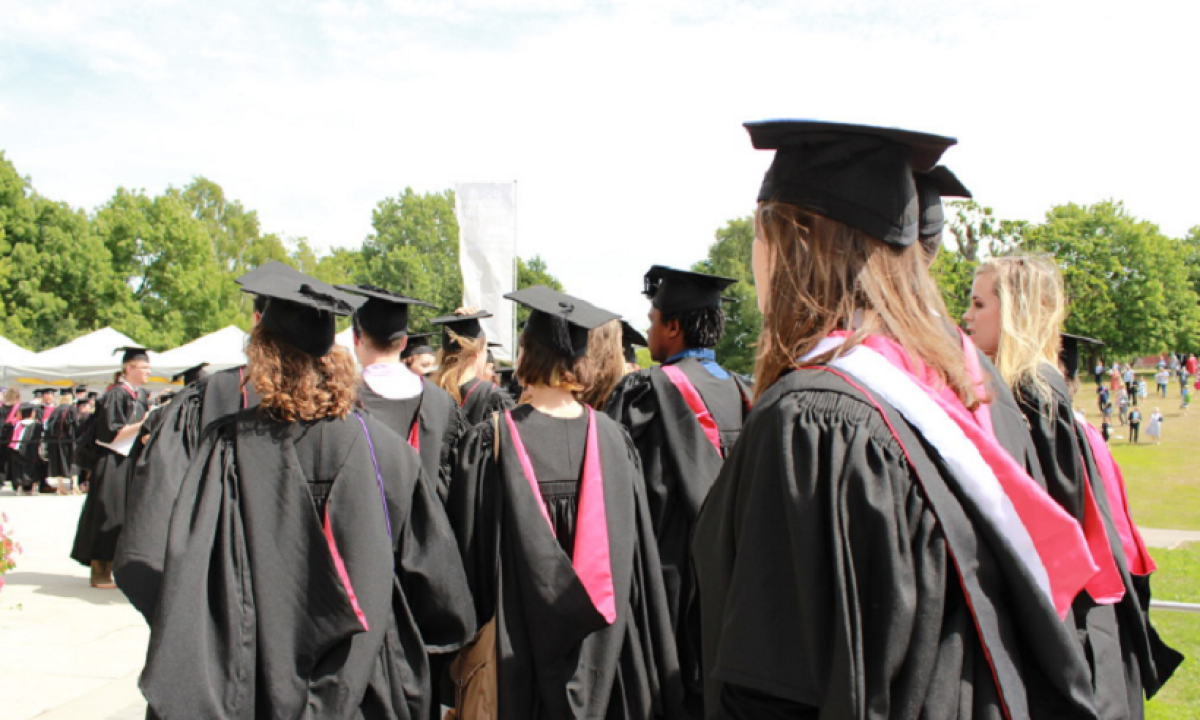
column 729, row 256
column 972, row 233
column 533, row 273
column 1127, row 283
column 414, row 251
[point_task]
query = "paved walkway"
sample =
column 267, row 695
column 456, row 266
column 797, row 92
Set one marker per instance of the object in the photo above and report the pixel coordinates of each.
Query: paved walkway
column 67, row 650
column 71, row 652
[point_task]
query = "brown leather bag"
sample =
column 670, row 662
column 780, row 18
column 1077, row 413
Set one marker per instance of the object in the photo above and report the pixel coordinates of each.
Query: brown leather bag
column 474, row 671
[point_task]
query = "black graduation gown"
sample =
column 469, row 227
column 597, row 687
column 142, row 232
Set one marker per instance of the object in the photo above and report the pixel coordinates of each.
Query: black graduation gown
column 843, row 574
column 172, row 437
column 481, row 399
column 6, row 430
column 557, row 656
column 1126, row 655
column 269, row 609
column 60, row 441
column 24, row 459
column 679, row 464
column 103, row 513
column 442, row 424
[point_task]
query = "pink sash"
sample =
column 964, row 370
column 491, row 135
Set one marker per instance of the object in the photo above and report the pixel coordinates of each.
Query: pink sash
column 591, row 557
column 18, row 432
column 1136, row 555
column 695, row 403
column 981, row 413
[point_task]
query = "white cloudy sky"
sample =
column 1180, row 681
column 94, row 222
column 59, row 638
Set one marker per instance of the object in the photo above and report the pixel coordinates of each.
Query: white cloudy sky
column 620, row 120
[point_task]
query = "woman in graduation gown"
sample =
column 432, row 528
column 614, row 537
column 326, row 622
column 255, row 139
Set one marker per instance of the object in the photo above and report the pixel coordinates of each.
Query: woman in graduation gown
column 412, row 406
column 461, row 360
column 309, row 570
column 1016, row 313
column 551, row 517
column 868, row 550
column 118, row 420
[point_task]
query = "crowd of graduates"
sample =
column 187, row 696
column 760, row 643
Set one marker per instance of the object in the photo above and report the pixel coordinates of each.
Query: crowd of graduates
column 893, row 519
column 39, row 439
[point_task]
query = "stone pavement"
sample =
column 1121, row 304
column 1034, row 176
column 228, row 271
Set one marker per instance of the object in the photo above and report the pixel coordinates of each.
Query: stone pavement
column 71, row 652
column 67, row 651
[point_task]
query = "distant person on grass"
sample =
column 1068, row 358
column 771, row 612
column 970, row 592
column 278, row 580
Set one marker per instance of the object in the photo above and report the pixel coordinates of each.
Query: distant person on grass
column 1135, row 424
column 1154, row 427
column 1161, row 378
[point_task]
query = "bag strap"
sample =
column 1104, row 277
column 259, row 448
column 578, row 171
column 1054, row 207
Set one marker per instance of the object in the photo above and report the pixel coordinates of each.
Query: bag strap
column 378, row 475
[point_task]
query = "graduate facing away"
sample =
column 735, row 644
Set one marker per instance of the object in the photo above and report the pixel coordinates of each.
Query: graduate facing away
column 553, row 525
column 869, row 549
column 684, row 416
column 310, row 568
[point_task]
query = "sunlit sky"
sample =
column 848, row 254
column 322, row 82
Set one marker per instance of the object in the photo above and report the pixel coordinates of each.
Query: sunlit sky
column 619, row 121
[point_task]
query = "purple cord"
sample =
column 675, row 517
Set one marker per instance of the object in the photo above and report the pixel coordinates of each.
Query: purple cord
column 378, row 475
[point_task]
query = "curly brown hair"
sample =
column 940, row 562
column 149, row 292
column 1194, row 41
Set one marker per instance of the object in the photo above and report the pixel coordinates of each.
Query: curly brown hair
column 295, row 386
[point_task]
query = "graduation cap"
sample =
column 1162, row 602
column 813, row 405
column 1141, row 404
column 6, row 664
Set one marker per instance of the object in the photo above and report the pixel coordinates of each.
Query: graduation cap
column 675, row 291
column 932, row 186
column 1068, row 355
column 466, row 326
column 384, row 316
column 631, row 339
column 417, row 345
column 300, row 310
column 43, row 391
column 133, row 354
column 505, row 375
column 191, row 375
column 93, row 396
column 81, row 390
column 558, row 321
column 858, row 175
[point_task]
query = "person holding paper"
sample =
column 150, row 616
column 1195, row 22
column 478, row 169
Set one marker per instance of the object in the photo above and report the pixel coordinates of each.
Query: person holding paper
column 119, row 418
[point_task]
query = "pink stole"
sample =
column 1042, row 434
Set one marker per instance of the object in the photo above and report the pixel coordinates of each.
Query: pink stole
column 695, row 403
column 1136, row 554
column 1072, row 561
column 591, row 558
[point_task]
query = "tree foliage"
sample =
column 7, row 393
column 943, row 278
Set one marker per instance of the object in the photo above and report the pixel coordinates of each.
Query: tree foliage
column 729, row 256
column 533, row 273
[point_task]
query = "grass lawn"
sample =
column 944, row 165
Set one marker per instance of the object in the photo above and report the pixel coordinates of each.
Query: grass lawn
column 1163, row 481
column 1178, row 578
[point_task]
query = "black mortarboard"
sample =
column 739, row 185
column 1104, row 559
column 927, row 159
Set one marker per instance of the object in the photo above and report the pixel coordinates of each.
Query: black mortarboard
column 45, row 390
column 466, row 326
column 858, row 175
column 1068, row 355
column 932, row 186
column 631, row 339
column 674, row 291
column 558, row 321
column 191, row 375
column 81, row 390
column 132, row 354
column 301, row 309
column 418, row 345
column 93, row 396
column 384, row 316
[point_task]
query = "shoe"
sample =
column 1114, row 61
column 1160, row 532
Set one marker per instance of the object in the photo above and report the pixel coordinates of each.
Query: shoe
column 102, row 575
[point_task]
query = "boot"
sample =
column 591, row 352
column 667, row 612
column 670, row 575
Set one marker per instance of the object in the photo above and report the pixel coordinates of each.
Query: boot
column 102, row 575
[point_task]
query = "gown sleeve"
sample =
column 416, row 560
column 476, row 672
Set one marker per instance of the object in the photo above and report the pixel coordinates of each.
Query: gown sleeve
column 473, row 508
column 830, row 589
column 116, row 412
column 633, row 404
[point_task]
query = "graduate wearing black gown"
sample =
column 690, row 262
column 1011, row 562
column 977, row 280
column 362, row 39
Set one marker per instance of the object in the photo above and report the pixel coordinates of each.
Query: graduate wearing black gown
column 310, row 571
column 415, row 408
column 464, row 344
column 103, row 515
column 60, row 442
column 24, row 440
column 848, row 565
column 684, row 417
column 558, row 544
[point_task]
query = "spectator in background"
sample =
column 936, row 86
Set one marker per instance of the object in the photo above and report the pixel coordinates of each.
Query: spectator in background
column 1114, row 378
column 1161, row 378
column 1099, row 373
column 1154, row 427
column 1141, row 391
column 1128, row 378
column 1122, row 404
column 1135, row 424
column 1102, row 398
column 1185, row 396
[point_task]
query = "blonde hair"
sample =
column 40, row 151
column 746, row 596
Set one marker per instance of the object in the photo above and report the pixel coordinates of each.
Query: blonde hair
column 1032, row 310
column 607, row 357
column 453, row 364
column 12, row 396
column 827, row 276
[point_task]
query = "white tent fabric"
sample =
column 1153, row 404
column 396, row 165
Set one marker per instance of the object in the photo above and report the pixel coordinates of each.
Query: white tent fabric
column 13, row 354
column 88, row 360
column 222, row 349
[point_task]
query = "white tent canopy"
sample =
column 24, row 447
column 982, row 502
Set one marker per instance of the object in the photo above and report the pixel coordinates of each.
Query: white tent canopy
column 222, row 349
column 13, row 354
column 88, row 360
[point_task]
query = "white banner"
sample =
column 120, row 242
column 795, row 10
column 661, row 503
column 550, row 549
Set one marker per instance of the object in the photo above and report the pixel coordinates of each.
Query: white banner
column 487, row 254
